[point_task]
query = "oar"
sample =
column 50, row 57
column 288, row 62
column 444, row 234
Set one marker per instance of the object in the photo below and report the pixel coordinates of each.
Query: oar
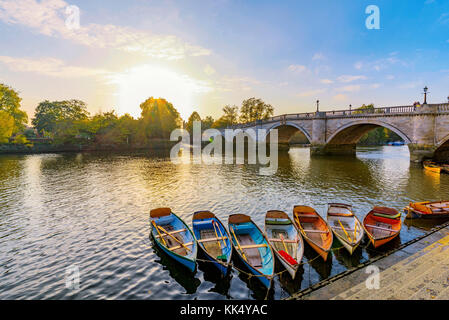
column 238, row 244
column 355, row 231
column 160, row 236
column 341, row 225
column 222, row 256
column 283, row 243
column 221, row 234
column 168, row 234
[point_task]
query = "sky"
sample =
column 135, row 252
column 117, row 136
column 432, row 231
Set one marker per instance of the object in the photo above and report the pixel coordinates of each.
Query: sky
column 203, row 55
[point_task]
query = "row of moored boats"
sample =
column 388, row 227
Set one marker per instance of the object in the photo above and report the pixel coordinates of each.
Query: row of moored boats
column 282, row 237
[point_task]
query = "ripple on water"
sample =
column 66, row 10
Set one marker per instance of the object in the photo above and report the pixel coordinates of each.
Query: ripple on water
column 91, row 211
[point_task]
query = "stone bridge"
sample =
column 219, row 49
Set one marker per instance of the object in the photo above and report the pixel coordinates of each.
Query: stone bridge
column 425, row 129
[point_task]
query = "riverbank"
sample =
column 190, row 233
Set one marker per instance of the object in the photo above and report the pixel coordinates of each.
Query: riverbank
column 39, row 148
column 416, row 270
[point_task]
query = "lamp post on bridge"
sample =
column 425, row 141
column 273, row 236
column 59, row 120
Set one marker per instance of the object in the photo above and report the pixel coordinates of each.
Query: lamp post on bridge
column 318, row 106
column 425, row 94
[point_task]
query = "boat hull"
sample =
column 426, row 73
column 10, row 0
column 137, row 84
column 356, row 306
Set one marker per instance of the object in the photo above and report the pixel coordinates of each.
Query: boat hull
column 380, row 240
column 204, row 220
column 171, row 219
column 240, row 224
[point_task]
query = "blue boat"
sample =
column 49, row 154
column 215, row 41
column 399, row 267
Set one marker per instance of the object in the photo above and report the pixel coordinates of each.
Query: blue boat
column 174, row 237
column 252, row 247
column 213, row 239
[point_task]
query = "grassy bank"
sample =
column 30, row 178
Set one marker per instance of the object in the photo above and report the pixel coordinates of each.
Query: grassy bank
column 11, row 148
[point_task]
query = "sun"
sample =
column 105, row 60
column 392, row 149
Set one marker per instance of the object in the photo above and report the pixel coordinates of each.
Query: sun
column 137, row 84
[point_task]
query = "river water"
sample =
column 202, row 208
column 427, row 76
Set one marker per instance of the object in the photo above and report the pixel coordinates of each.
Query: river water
column 89, row 212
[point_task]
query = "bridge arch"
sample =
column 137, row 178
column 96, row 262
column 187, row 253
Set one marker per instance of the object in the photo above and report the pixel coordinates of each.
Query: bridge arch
column 352, row 132
column 442, row 150
column 286, row 130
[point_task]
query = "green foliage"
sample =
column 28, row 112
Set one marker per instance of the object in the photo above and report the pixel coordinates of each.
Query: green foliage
column 379, row 136
column 207, row 123
column 49, row 115
column 20, row 139
column 6, row 126
column 159, row 118
column 10, row 103
column 255, row 109
column 193, row 117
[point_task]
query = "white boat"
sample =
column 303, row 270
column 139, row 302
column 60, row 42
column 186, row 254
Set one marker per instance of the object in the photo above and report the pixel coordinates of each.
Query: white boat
column 285, row 240
column 345, row 225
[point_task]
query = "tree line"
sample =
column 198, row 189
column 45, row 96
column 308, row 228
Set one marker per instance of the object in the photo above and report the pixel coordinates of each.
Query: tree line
column 69, row 122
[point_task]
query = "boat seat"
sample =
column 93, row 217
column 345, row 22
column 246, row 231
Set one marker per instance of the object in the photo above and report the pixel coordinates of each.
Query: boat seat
column 307, row 216
column 172, row 232
column 315, row 231
column 285, row 240
column 179, row 247
column 212, row 239
column 253, row 246
column 380, row 228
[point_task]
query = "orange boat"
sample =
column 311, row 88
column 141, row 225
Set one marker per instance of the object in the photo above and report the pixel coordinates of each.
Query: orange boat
column 314, row 229
column 382, row 225
column 431, row 166
column 427, row 210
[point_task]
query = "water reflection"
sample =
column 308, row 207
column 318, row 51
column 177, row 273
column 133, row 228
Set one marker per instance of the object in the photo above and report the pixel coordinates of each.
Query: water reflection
column 91, row 209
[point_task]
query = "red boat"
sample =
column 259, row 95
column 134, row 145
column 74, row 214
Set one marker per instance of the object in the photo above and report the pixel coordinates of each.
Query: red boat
column 382, row 225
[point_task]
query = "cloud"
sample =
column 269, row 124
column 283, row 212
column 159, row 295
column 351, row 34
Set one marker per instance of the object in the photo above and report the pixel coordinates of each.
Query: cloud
column 48, row 17
column 209, row 70
column 49, row 67
column 375, row 85
column 326, row 81
column 340, row 97
column 410, row 85
column 311, row 93
column 349, row 78
column 351, row 88
column 318, row 56
column 296, row 68
column 381, row 64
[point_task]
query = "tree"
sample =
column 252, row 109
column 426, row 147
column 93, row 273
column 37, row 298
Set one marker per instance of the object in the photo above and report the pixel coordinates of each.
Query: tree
column 10, row 102
column 255, row 109
column 49, row 114
column 193, row 117
column 231, row 114
column 6, row 126
column 159, row 118
column 207, row 123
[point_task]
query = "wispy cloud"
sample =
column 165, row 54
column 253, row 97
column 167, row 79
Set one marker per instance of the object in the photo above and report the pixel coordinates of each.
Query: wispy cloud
column 350, row 78
column 311, row 93
column 296, row 68
column 318, row 56
column 48, row 18
column 351, row 88
column 326, row 81
column 340, row 97
column 209, row 70
column 49, row 67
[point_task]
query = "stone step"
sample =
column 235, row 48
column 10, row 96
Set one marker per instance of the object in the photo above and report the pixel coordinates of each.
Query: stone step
column 395, row 272
column 434, row 283
column 444, row 295
column 415, row 283
column 385, row 276
column 407, row 273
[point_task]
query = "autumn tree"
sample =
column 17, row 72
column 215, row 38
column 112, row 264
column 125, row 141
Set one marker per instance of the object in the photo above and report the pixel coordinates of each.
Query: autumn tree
column 10, row 103
column 49, row 115
column 253, row 109
column 159, row 118
column 193, row 117
column 6, row 126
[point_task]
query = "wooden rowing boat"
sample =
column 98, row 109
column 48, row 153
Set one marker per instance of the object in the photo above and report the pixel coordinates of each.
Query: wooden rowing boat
column 432, row 167
column 345, row 225
column 314, row 229
column 252, row 247
column 174, row 237
column 213, row 239
column 427, row 210
column 382, row 225
column 285, row 239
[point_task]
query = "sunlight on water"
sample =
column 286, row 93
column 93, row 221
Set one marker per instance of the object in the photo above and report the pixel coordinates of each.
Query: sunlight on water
column 91, row 210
